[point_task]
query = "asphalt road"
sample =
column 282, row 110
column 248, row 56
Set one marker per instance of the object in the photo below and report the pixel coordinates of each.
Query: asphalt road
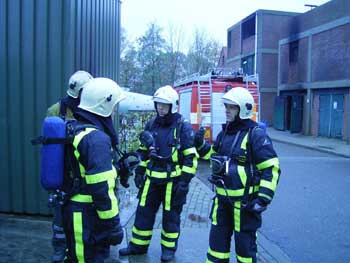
column 310, row 214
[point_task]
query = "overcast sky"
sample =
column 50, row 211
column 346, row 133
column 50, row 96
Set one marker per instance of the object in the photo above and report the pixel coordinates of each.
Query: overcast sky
column 214, row 16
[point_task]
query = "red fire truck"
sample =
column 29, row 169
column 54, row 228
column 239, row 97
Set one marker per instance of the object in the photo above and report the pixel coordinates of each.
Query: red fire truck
column 200, row 97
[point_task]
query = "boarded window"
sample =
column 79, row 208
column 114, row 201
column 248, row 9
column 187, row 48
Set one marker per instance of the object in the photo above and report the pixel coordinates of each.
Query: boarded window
column 293, row 52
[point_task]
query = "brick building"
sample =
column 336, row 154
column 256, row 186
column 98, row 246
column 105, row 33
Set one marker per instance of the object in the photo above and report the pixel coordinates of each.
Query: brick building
column 303, row 58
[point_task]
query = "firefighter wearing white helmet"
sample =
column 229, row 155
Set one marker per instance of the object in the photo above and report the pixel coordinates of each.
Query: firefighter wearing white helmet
column 100, row 96
column 167, row 95
column 245, row 171
column 168, row 163
column 92, row 209
column 65, row 108
column 243, row 99
column 76, row 82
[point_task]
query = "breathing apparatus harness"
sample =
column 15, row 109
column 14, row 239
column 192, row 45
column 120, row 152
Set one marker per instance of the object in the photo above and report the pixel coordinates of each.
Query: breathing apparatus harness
column 148, row 141
column 220, row 167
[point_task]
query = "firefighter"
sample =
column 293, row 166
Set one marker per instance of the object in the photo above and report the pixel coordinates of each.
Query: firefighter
column 64, row 108
column 245, row 172
column 168, row 163
column 91, row 215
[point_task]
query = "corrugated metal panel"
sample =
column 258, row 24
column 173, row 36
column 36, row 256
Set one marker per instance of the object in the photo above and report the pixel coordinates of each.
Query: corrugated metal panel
column 42, row 43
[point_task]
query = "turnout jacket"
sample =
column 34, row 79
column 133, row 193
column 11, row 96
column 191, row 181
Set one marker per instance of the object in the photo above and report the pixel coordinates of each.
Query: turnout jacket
column 93, row 150
column 174, row 141
column 264, row 158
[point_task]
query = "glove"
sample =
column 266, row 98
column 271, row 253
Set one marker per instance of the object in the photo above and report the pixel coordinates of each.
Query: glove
column 115, row 236
column 199, row 137
column 124, row 181
column 257, row 205
column 139, row 180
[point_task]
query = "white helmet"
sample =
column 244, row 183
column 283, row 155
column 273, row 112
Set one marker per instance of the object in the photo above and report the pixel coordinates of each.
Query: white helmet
column 76, row 82
column 100, row 95
column 167, row 95
column 241, row 97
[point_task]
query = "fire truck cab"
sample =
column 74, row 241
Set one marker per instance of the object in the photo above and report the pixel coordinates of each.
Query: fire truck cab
column 200, row 97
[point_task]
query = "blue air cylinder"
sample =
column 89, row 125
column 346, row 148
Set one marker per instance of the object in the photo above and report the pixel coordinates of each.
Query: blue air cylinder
column 52, row 154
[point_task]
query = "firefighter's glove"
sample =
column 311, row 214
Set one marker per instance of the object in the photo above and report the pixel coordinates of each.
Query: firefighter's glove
column 257, row 205
column 115, row 236
column 139, row 180
column 199, row 138
column 124, row 181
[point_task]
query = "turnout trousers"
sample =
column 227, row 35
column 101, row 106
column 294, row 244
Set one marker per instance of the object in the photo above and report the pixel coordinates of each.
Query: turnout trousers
column 81, row 226
column 172, row 195
column 228, row 219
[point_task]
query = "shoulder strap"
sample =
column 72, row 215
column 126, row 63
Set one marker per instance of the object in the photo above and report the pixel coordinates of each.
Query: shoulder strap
column 63, row 109
column 179, row 126
column 149, row 124
column 251, row 170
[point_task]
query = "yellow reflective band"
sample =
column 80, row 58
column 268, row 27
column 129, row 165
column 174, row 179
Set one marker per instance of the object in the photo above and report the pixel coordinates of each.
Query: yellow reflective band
column 208, row 261
column 268, row 163
column 143, row 148
column 143, row 164
column 78, row 235
column 114, row 203
column 244, row 142
column 167, row 243
column 163, row 175
column 170, row 235
column 144, row 233
column 101, row 177
column 237, row 216
column 265, row 196
column 76, row 142
column 207, row 156
column 214, row 219
column 190, row 170
column 82, row 198
column 140, row 242
column 190, row 151
column 144, row 192
column 242, row 174
column 234, row 193
column 174, row 156
column 219, row 255
column 169, row 187
column 270, row 185
column 244, row 260
column 80, row 136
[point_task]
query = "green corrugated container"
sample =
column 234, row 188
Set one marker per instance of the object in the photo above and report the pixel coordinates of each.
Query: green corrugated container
column 42, row 42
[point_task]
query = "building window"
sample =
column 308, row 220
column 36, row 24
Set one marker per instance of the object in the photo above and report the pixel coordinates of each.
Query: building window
column 293, row 52
column 248, row 28
column 229, row 40
column 247, row 65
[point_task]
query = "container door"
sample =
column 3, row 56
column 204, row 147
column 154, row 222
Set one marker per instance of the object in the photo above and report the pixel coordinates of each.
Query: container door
column 337, row 109
column 279, row 113
column 185, row 106
column 325, row 115
column 296, row 117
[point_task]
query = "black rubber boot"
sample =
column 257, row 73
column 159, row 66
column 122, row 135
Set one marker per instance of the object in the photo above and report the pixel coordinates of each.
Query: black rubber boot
column 167, row 255
column 131, row 250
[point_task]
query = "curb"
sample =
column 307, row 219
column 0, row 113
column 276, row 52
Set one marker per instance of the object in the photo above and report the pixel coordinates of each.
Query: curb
column 311, row 147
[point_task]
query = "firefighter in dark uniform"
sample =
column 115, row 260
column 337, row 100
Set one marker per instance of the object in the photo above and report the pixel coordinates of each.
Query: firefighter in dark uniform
column 168, row 163
column 64, row 108
column 91, row 215
column 245, row 172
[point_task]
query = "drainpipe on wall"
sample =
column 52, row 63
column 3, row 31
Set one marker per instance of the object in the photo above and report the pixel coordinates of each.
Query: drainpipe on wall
column 256, row 65
column 349, row 118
